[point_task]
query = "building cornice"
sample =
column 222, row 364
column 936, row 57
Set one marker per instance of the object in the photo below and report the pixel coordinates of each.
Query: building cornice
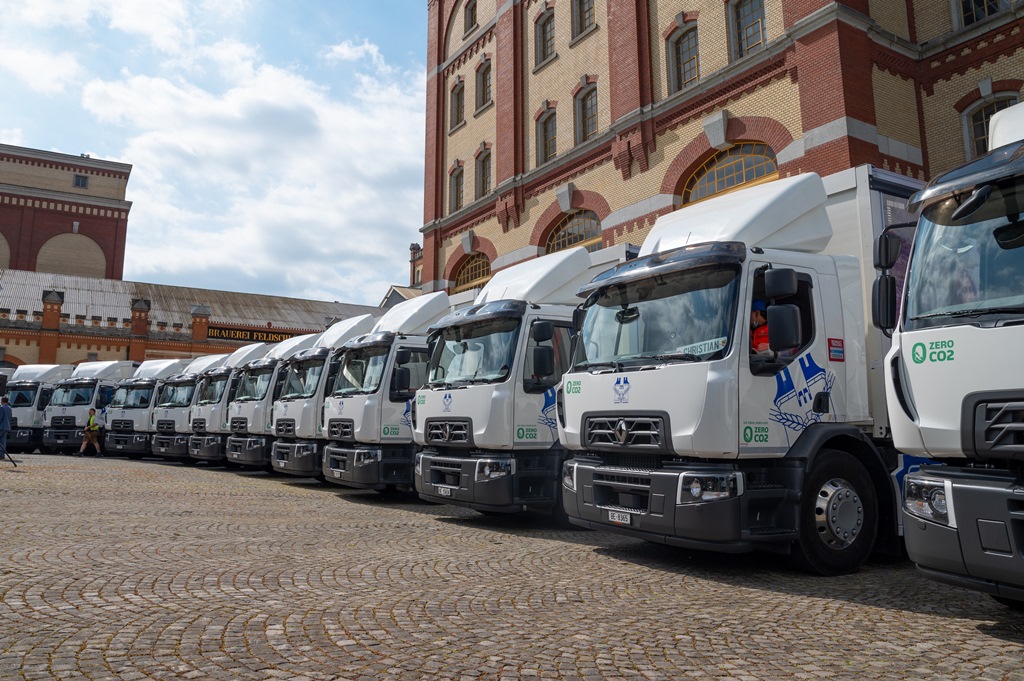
column 67, row 161
column 63, row 200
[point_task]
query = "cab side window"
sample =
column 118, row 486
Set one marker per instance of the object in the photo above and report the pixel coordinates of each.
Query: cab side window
column 764, row 360
column 560, row 344
column 44, row 398
column 417, row 366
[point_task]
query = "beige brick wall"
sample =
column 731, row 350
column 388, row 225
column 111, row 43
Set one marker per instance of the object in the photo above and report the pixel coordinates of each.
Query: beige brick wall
column 56, row 179
column 70, row 353
column 944, row 124
column 464, row 142
column 72, row 254
column 932, row 18
column 891, row 15
column 557, row 79
column 23, row 349
column 455, row 35
column 5, row 253
column 896, row 110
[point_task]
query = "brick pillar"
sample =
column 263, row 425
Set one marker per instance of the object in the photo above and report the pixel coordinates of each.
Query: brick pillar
column 200, row 323
column 434, row 166
column 140, row 330
column 49, row 337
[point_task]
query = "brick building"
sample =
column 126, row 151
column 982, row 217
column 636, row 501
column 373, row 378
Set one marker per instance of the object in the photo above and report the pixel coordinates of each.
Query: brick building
column 553, row 123
column 62, row 214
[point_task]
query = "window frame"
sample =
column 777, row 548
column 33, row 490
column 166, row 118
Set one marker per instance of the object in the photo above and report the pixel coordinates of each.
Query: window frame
column 483, row 189
column 960, row 21
column 738, row 47
column 547, row 142
column 484, row 85
column 967, row 119
column 582, row 10
column 474, row 259
column 469, row 18
column 676, row 67
column 545, row 21
column 581, row 105
column 457, row 104
column 80, row 181
column 706, row 168
column 456, row 188
column 568, row 221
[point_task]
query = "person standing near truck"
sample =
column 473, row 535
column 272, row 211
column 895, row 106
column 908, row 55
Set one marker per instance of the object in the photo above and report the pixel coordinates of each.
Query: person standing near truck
column 5, row 426
column 91, row 435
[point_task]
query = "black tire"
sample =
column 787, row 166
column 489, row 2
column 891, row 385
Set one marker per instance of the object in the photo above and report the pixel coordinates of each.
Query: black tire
column 135, row 457
column 838, row 515
column 231, row 465
column 1009, row 603
column 187, row 461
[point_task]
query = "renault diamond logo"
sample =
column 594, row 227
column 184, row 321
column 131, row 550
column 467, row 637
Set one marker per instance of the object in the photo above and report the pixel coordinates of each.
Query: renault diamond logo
column 621, row 431
column 446, row 430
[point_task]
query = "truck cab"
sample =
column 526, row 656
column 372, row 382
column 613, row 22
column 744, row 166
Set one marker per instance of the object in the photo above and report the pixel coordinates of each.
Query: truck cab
column 955, row 386
column 485, row 418
column 130, row 412
column 29, row 390
column 90, row 386
column 683, row 434
column 368, row 406
column 299, row 410
column 250, row 412
column 215, row 390
column 171, row 416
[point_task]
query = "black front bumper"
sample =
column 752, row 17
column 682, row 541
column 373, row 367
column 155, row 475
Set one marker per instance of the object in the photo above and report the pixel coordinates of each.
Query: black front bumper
column 370, row 466
column 62, row 439
column 128, row 443
column 302, row 458
column 252, row 451
column 171, row 446
column 206, row 447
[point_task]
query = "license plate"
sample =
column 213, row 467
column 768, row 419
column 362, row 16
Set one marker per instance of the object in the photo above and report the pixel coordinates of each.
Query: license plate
column 619, row 518
column 280, row 463
column 163, row 449
column 60, row 442
column 444, row 491
column 119, row 446
column 337, row 474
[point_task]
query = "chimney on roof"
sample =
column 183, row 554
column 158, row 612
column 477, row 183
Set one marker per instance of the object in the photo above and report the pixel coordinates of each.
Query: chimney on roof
column 53, row 301
column 200, row 322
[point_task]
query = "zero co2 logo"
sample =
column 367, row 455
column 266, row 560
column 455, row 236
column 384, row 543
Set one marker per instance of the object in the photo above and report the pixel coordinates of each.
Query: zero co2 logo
column 935, row 351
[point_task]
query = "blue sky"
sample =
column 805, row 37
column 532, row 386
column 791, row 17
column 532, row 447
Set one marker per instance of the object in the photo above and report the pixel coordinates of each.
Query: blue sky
column 277, row 145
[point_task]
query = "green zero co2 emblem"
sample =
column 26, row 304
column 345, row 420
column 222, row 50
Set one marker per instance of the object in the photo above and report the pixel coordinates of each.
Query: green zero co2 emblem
column 934, row 351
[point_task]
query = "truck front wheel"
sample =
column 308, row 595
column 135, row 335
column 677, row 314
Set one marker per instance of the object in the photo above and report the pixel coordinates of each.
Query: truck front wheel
column 838, row 515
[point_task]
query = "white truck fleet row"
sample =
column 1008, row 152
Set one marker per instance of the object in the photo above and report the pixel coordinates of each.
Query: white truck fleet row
column 129, row 417
column 954, row 381
column 90, row 386
column 29, row 390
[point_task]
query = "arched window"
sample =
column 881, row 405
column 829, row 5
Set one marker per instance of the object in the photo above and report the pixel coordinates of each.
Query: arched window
column 469, row 17
column 747, row 22
column 582, row 16
column 455, row 195
column 742, row 164
column 683, row 61
column 457, row 106
column 483, row 85
column 547, row 137
column 483, row 174
column 586, row 114
column 581, row 228
column 976, row 122
column 473, row 273
column 544, row 37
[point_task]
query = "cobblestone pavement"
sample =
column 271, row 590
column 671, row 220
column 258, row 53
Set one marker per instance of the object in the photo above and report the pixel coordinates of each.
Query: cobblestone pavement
column 116, row 569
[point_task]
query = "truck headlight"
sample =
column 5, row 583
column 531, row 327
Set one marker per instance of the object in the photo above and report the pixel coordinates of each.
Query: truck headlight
column 569, row 476
column 492, row 469
column 365, row 457
column 929, row 498
column 698, row 487
column 418, row 466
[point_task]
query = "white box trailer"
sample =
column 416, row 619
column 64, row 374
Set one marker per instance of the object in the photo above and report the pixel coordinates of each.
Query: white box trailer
column 28, row 390
column 682, row 434
column 90, row 386
column 129, row 415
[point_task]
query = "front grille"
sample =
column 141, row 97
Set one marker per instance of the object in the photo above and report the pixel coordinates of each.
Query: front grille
column 62, row 421
column 634, row 432
column 198, row 425
column 341, row 429
column 239, row 424
column 633, row 462
column 284, row 427
column 122, row 426
column 165, row 426
column 448, row 432
column 999, row 428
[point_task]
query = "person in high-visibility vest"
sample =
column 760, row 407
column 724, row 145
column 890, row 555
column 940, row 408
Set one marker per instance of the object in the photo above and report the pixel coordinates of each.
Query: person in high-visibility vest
column 91, row 434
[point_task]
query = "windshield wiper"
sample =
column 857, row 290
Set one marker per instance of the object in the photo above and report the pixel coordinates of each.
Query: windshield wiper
column 681, row 356
column 971, row 312
column 610, row 364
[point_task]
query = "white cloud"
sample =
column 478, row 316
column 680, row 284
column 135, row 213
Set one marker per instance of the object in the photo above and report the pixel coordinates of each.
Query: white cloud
column 349, row 51
column 11, row 136
column 44, row 72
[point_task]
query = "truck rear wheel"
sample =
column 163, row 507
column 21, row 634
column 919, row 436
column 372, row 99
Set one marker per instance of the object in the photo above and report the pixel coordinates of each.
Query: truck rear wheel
column 838, row 515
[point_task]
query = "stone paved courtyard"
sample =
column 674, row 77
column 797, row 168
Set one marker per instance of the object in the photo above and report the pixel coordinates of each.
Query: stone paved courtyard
column 116, row 569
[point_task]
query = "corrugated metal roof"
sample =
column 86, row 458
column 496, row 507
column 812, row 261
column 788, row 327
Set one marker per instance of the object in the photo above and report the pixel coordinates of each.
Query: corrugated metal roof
column 106, row 298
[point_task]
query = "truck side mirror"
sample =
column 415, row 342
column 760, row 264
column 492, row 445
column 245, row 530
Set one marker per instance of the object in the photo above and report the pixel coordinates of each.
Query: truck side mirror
column 883, row 302
column 542, row 331
column 784, row 329
column 400, row 380
column 578, row 315
column 780, row 283
column 543, row 362
column 887, row 250
column 403, row 356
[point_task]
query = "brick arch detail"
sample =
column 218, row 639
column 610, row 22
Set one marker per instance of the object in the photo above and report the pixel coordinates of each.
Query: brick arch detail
column 974, row 95
column 17, row 361
column 552, row 215
column 456, row 259
column 752, row 128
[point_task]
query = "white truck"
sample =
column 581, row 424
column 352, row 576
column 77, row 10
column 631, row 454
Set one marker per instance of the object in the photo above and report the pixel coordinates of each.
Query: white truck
column 130, row 413
column 90, row 386
column 368, row 407
column 955, row 386
column 214, row 391
column 29, row 390
column 171, row 417
column 486, row 416
column 298, row 412
column 682, row 435
column 250, row 412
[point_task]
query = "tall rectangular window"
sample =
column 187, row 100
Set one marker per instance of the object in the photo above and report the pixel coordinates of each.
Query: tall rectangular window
column 483, row 175
column 545, row 37
column 586, row 115
column 455, row 195
column 749, row 23
column 458, row 105
column 582, row 16
column 547, row 138
column 483, row 86
column 683, row 60
column 469, row 18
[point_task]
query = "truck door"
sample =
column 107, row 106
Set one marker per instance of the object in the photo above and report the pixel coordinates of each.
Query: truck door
column 777, row 389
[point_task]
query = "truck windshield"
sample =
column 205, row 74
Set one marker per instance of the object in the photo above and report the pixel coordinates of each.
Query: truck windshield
column 132, row 397
column 302, row 379
column 22, row 397
column 72, row 395
column 968, row 271
column 685, row 316
column 253, row 385
column 212, row 390
column 476, row 352
column 361, row 371
column 177, row 395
